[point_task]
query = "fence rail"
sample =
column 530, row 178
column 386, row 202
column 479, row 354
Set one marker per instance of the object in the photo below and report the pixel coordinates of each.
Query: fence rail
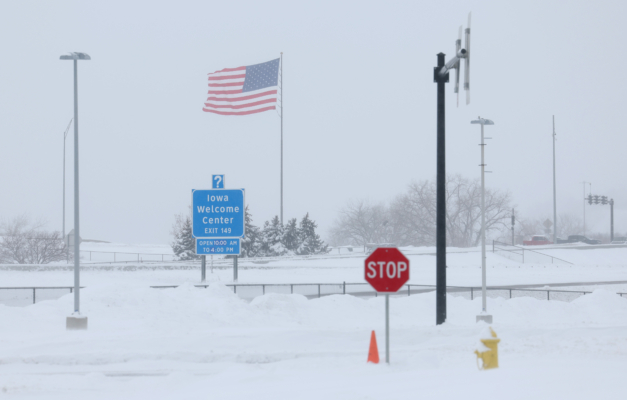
column 524, row 255
column 22, row 296
column 19, row 295
column 105, row 257
column 317, row 290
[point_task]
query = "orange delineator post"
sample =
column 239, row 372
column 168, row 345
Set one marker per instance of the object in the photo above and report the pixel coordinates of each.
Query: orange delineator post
column 373, row 353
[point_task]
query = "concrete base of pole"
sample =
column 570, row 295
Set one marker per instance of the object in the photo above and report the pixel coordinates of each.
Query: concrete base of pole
column 487, row 318
column 76, row 323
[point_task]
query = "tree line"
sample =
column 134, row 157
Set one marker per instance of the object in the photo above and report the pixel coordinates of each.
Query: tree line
column 270, row 240
column 410, row 218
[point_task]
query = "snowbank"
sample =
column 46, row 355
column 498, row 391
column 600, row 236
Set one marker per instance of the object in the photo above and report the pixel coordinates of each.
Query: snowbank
column 189, row 342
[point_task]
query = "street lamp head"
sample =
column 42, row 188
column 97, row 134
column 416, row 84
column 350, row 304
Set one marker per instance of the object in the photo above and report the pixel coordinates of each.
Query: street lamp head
column 76, row 56
column 482, row 121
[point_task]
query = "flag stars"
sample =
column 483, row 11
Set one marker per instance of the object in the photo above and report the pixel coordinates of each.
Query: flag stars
column 261, row 76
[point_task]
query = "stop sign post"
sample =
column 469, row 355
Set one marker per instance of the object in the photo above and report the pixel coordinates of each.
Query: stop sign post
column 386, row 270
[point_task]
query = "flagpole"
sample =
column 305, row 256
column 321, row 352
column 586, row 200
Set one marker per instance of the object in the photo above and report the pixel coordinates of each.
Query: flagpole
column 281, row 138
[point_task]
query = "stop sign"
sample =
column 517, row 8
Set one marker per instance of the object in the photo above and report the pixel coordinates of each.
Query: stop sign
column 387, row 269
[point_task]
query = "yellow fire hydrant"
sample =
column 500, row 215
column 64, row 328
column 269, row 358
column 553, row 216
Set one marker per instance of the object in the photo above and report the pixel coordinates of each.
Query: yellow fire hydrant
column 489, row 353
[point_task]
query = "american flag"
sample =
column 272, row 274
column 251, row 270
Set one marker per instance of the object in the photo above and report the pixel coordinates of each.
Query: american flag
column 243, row 90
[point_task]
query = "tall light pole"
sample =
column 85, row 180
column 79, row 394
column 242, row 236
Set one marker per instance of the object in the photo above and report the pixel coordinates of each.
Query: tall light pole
column 76, row 320
column 64, row 137
column 66, row 243
column 554, row 190
column 484, row 316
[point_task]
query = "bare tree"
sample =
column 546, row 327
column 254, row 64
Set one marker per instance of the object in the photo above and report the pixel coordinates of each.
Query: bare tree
column 410, row 219
column 569, row 224
column 361, row 222
column 24, row 242
column 414, row 212
column 413, row 215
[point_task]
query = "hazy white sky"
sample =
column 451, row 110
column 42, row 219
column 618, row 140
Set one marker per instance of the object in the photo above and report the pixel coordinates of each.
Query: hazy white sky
column 359, row 105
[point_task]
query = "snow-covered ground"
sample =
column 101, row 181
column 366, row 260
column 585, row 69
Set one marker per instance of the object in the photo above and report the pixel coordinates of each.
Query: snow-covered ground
column 189, row 343
column 464, row 270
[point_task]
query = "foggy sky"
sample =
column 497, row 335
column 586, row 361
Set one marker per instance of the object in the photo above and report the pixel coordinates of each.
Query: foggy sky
column 359, row 105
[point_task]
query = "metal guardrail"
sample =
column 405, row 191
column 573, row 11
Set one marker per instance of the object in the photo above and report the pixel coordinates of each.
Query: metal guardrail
column 33, row 294
column 524, row 255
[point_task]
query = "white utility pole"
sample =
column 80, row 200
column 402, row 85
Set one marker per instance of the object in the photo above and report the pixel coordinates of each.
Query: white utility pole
column 484, row 316
column 76, row 321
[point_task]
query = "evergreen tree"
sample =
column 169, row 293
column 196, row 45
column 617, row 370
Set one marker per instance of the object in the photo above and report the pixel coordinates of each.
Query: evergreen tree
column 291, row 236
column 272, row 238
column 184, row 244
column 251, row 243
column 310, row 241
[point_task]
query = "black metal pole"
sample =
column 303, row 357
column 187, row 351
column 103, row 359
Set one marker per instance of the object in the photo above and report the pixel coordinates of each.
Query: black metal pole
column 440, row 293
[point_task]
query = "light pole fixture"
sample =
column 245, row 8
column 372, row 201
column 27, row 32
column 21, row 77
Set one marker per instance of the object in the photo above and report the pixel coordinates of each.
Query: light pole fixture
column 484, row 316
column 76, row 320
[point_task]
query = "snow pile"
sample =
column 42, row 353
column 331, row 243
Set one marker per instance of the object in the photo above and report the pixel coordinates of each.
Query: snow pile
column 128, row 309
column 180, row 343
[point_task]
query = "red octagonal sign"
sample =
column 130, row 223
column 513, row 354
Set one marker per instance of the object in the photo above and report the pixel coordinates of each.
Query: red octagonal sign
column 387, row 269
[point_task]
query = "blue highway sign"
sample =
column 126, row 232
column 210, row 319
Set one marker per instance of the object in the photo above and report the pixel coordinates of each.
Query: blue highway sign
column 218, row 213
column 217, row 181
column 217, row 246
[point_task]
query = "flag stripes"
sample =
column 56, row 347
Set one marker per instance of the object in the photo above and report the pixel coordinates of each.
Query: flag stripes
column 244, row 93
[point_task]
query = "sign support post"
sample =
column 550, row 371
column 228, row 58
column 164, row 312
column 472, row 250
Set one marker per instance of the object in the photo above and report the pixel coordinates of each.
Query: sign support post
column 387, row 328
column 387, row 270
column 235, row 268
column 203, row 268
